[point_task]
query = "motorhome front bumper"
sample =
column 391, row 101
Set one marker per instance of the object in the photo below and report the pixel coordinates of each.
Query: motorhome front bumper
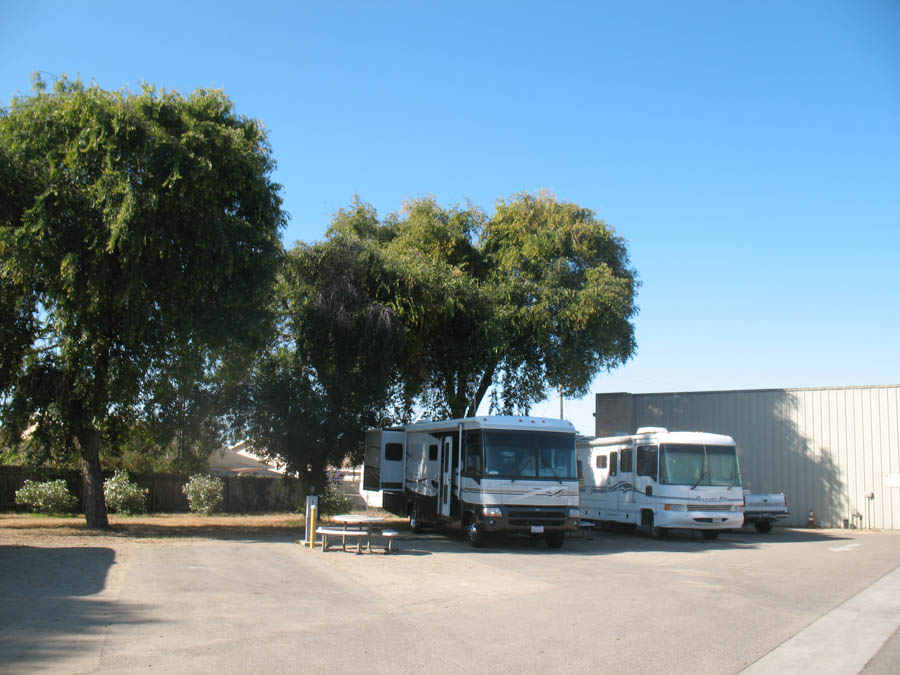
column 528, row 519
column 700, row 520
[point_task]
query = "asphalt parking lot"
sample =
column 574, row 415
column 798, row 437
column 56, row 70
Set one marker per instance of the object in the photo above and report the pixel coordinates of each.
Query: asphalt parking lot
column 616, row 602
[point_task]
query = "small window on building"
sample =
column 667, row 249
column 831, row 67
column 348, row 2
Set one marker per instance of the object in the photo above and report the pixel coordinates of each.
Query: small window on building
column 393, row 452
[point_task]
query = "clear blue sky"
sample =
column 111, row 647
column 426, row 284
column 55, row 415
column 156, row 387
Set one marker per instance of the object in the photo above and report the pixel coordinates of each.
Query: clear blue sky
column 748, row 151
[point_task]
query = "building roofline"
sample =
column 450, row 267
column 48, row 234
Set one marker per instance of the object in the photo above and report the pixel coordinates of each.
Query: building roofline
column 755, row 391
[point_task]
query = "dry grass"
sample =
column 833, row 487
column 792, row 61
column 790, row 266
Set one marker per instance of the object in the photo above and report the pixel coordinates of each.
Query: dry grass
column 37, row 530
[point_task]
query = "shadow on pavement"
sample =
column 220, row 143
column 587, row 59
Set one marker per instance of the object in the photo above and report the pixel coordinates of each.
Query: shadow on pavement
column 237, row 532
column 49, row 609
column 609, row 542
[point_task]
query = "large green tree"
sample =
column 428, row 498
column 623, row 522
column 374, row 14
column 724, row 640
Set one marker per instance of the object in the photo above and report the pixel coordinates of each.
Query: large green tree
column 430, row 310
column 139, row 239
column 537, row 298
column 331, row 368
column 563, row 291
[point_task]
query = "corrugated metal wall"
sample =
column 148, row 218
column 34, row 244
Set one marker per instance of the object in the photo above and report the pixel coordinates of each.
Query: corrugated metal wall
column 825, row 448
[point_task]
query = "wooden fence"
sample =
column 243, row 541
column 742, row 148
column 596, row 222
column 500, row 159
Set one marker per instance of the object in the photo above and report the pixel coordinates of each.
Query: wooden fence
column 242, row 494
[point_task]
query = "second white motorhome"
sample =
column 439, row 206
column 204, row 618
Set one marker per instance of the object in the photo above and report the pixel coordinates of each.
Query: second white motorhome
column 486, row 474
column 662, row 480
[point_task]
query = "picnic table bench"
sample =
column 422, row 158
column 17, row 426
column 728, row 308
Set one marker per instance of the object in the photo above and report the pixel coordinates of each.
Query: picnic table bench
column 344, row 533
column 357, row 526
column 389, row 535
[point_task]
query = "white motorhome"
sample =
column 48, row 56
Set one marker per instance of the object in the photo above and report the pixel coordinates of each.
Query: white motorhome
column 662, row 480
column 489, row 475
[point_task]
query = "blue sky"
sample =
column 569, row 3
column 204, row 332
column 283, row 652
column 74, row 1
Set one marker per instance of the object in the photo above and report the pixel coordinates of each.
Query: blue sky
column 748, row 151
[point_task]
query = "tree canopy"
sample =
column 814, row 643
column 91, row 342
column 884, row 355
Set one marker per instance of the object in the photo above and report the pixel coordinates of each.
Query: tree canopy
column 563, row 292
column 139, row 239
column 538, row 297
column 141, row 273
column 331, row 369
column 429, row 310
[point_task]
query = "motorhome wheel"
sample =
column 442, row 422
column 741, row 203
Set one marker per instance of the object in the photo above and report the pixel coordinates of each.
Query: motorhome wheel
column 477, row 538
column 415, row 525
column 555, row 539
column 655, row 532
column 763, row 526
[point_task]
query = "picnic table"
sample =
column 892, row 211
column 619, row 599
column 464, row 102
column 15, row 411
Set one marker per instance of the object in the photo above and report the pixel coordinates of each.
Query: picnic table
column 357, row 526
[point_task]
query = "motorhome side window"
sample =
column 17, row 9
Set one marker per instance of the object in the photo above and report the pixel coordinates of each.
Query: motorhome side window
column 602, row 461
column 647, row 460
column 433, row 452
column 472, row 465
column 613, row 466
column 393, row 452
column 625, row 460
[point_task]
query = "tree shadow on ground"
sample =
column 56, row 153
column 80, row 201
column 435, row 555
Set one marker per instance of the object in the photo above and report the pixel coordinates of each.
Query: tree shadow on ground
column 51, row 612
column 235, row 532
column 27, row 529
column 601, row 542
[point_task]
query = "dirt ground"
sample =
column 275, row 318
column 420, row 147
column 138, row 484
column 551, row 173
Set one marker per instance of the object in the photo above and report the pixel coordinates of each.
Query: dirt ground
column 39, row 530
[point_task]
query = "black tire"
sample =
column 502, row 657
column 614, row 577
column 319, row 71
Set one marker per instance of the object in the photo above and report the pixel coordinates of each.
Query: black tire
column 657, row 532
column 763, row 526
column 555, row 539
column 415, row 523
column 710, row 535
column 477, row 538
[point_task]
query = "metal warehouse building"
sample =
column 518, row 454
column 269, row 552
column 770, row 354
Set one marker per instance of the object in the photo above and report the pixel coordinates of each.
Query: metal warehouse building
column 834, row 451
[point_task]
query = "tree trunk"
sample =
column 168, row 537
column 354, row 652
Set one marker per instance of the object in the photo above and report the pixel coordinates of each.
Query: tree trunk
column 487, row 377
column 88, row 445
column 305, row 484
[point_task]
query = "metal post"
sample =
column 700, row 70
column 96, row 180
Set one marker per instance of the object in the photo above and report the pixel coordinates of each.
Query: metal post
column 312, row 507
column 870, row 502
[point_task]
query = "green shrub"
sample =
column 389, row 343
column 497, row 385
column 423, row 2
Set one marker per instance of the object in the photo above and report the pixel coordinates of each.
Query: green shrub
column 333, row 501
column 123, row 496
column 204, row 493
column 49, row 497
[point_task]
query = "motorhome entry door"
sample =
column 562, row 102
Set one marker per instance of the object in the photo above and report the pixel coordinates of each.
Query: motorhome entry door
column 446, row 474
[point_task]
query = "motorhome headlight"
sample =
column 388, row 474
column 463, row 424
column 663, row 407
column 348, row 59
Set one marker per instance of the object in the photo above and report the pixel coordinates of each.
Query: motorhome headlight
column 493, row 512
column 574, row 513
column 675, row 507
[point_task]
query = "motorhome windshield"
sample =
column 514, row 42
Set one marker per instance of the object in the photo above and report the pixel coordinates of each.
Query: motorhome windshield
column 698, row 465
column 526, row 454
